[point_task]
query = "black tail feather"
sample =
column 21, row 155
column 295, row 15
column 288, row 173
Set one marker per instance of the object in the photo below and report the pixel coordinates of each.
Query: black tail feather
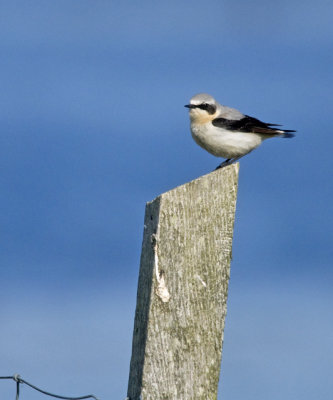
column 287, row 135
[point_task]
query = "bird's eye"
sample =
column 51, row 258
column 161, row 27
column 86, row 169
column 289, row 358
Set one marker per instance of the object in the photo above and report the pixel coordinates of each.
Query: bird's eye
column 203, row 106
column 210, row 108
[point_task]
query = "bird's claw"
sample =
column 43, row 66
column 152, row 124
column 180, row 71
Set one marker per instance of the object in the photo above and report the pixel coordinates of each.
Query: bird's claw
column 224, row 164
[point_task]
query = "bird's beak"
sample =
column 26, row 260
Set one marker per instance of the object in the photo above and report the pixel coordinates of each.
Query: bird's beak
column 190, row 106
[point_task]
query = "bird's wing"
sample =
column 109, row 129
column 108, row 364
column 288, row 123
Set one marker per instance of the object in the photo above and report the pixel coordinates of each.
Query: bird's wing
column 229, row 113
column 248, row 124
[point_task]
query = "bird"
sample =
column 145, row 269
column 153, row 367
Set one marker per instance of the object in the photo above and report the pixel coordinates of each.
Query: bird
column 226, row 132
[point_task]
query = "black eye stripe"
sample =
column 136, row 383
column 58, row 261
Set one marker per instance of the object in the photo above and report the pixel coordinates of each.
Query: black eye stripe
column 210, row 108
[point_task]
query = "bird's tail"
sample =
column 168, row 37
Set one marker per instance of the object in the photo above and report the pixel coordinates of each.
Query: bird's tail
column 287, row 133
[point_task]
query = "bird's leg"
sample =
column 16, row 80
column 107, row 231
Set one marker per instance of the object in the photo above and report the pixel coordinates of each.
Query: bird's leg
column 224, row 163
column 229, row 161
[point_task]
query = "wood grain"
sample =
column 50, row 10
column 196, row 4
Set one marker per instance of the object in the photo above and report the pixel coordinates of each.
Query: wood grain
column 182, row 290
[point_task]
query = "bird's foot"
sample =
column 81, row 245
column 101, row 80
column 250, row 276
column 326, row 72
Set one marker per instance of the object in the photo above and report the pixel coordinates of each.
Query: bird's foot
column 229, row 161
column 224, row 163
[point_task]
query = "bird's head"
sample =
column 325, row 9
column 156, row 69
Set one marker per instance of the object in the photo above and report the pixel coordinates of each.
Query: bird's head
column 203, row 108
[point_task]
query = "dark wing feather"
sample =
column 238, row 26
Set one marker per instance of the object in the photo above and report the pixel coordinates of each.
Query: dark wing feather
column 249, row 124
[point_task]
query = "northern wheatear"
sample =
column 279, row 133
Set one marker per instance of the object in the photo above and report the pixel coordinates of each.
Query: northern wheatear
column 226, row 132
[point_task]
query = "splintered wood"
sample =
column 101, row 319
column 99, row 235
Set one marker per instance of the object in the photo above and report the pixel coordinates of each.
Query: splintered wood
column 182, row 290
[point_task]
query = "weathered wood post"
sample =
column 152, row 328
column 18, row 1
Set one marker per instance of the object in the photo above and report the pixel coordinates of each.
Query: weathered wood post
column 182, row 290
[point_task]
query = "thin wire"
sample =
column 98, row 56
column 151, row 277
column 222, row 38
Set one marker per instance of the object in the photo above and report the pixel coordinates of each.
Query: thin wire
column 17, row 388
column 19, row 380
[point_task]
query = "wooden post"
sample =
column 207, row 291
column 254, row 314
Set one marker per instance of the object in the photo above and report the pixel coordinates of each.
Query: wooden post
column 182, row 290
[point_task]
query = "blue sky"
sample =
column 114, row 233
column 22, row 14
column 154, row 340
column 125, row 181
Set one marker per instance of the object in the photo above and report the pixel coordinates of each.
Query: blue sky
column 93, row 126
